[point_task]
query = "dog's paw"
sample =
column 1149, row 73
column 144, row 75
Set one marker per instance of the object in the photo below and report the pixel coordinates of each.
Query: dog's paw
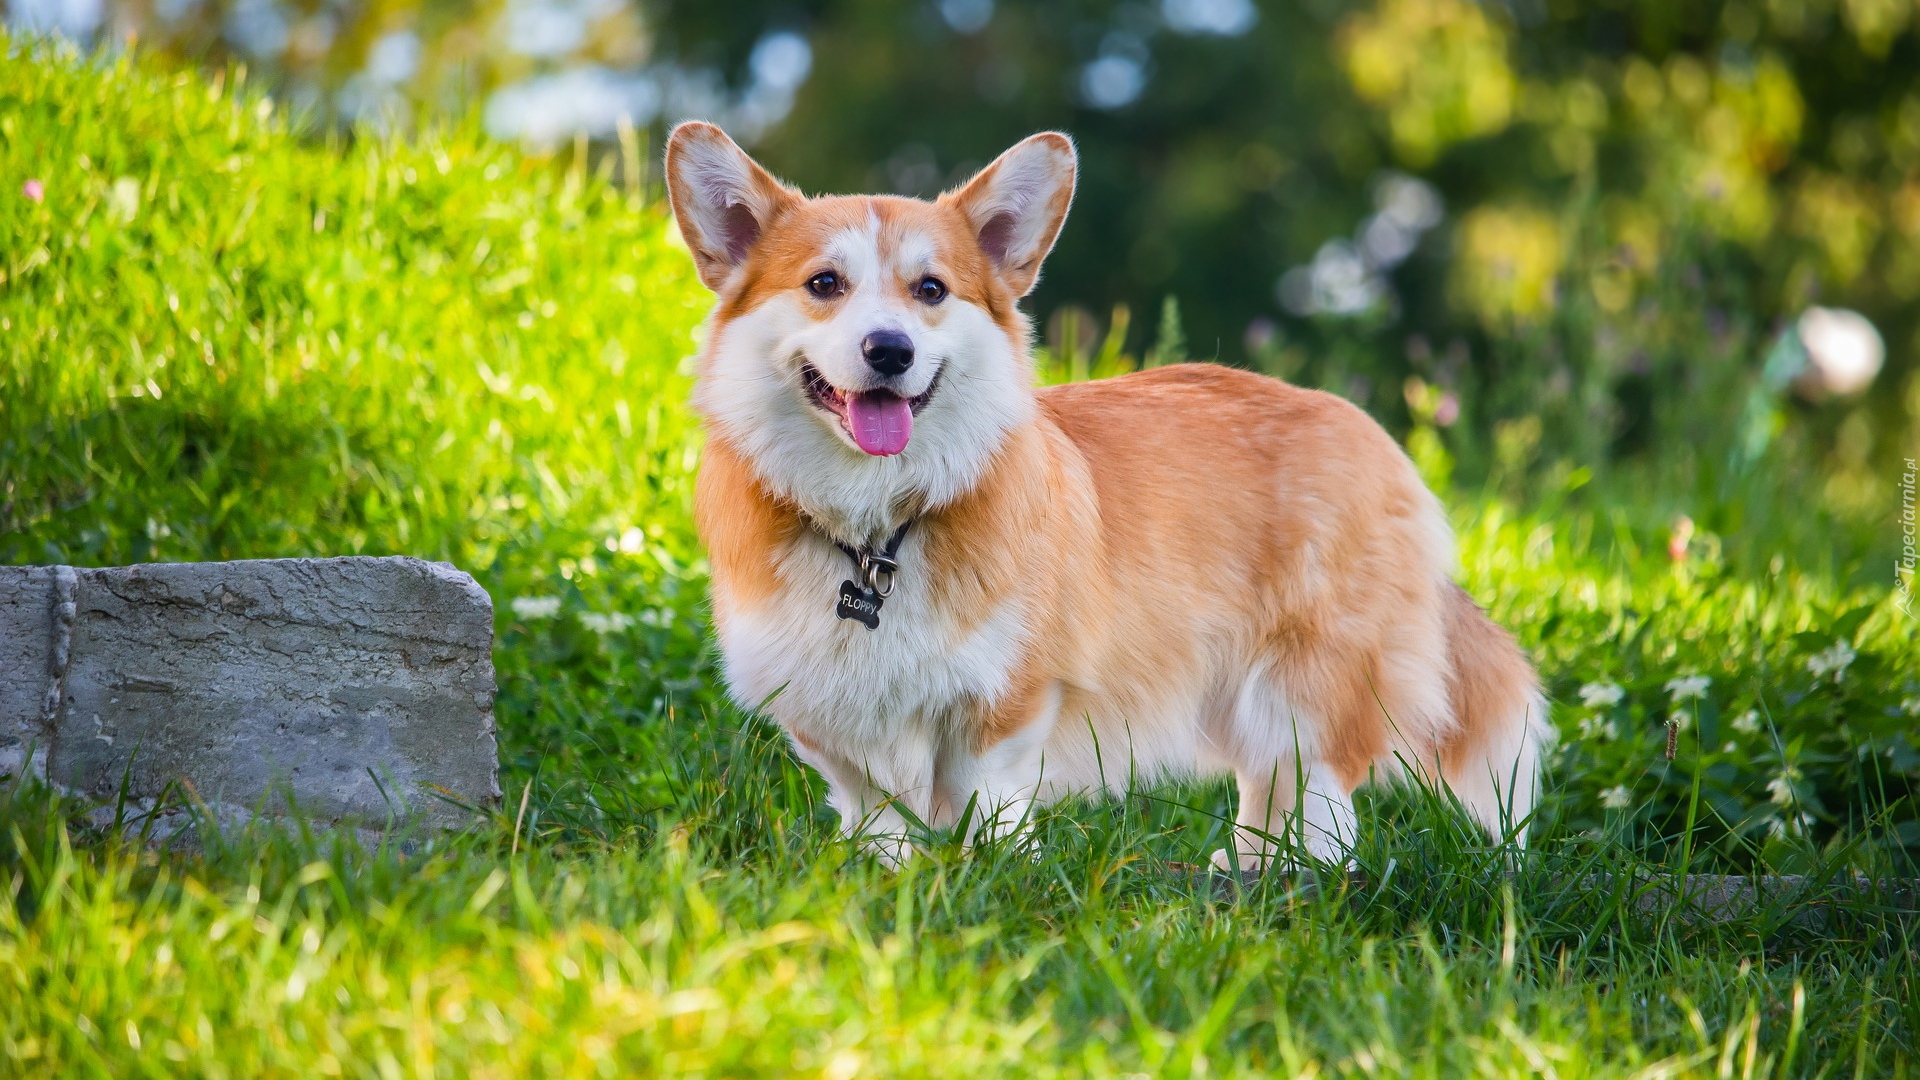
column 892, row 852
column 1227, row 861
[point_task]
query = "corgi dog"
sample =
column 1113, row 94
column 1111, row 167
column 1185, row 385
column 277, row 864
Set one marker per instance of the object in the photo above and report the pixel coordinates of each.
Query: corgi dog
column 961, row 594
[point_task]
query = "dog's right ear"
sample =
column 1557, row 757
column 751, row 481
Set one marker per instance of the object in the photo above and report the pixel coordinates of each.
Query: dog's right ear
column 722, row 199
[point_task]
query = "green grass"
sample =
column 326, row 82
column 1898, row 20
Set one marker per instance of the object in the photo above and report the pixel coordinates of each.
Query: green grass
column 217, row 341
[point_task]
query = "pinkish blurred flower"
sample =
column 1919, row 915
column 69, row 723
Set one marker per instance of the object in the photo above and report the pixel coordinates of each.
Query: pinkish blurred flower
column 1681, row 536
column 34, row 189
column 1445, row 413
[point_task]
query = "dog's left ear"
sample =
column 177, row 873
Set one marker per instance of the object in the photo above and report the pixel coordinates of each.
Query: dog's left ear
column 1017, row 204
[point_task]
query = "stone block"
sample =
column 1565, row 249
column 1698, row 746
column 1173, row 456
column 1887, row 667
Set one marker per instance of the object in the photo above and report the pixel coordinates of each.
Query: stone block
column 355, row 688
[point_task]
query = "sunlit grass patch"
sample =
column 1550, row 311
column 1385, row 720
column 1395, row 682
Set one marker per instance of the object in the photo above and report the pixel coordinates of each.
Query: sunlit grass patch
column 217, row 341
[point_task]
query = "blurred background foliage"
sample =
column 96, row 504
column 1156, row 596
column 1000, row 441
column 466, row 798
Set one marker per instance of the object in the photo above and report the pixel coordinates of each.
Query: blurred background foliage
column 1558, row 243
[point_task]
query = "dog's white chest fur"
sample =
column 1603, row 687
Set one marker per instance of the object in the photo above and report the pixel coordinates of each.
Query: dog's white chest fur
column 836, row 683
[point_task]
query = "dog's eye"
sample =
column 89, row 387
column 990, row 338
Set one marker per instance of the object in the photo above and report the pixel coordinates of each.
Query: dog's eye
column 824, row 283
column 930, row 290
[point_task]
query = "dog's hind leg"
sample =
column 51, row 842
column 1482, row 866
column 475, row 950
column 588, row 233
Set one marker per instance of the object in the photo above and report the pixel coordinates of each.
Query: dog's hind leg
column 1287, row 807
column 1289, row 798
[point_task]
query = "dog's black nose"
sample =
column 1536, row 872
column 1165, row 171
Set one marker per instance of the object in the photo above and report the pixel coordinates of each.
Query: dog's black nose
column 888, row 352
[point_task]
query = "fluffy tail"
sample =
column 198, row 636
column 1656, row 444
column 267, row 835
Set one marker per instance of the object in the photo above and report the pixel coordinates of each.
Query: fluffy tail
column 1492, row 760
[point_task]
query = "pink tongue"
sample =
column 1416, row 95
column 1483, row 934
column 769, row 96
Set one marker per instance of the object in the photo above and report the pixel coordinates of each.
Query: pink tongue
column 881, row 422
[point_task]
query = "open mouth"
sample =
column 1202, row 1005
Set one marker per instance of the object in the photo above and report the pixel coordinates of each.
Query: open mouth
column 879, row 421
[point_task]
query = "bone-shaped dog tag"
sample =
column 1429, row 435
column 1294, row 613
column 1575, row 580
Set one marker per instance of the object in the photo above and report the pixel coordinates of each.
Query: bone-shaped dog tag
column 860, row 604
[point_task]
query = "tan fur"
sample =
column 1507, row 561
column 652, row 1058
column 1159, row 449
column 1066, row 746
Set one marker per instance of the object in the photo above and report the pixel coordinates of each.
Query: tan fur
column 740, row 524
column 1182, row 544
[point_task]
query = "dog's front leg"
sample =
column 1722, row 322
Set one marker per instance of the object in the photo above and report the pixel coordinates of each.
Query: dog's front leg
column 880, row 796
column 1001, row 779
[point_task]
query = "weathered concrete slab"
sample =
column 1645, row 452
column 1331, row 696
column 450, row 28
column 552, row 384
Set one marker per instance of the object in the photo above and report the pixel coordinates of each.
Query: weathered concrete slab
column 354, row 686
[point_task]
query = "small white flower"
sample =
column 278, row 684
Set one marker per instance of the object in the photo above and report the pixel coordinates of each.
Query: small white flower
column 605, row 622
column 1793, row 825
column 1911, row 706
column 1833, row 661
column 1595, row 727
column 1728, row 748
column 1618, row 797
column 1601, row 695
column 1679, row 720
column 1747, row 723
column 1780, row 788
column 535, row 607
column 1688, row 687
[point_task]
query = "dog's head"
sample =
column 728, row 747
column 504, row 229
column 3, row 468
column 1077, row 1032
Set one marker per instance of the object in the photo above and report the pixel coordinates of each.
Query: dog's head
column 866, row 348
